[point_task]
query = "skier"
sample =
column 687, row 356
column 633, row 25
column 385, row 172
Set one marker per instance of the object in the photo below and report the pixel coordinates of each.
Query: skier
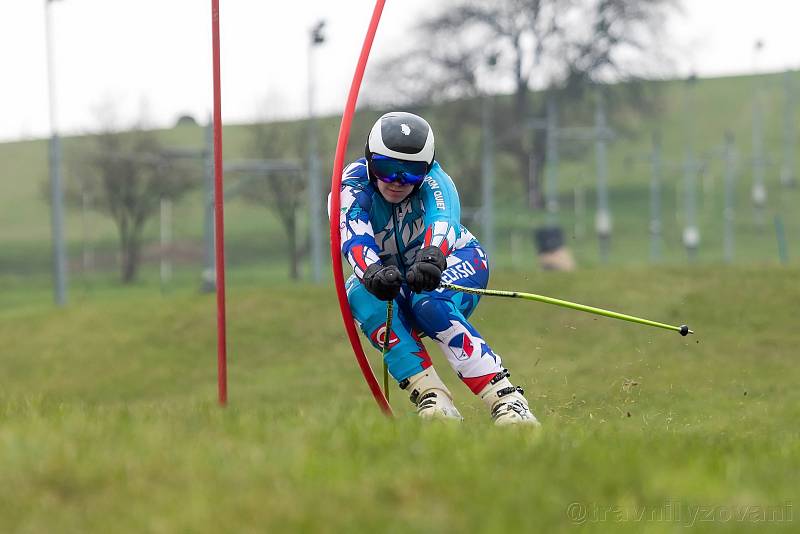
column 401, row 232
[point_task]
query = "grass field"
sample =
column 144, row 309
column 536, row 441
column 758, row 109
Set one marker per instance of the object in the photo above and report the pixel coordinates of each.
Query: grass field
column 108, row 421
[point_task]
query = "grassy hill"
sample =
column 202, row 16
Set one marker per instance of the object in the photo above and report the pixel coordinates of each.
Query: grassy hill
column 254, row 235
column 108, row 420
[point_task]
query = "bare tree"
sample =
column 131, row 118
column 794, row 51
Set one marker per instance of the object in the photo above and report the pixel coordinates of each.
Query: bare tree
column 562, row 46
column 282, row 191
column 127, row 175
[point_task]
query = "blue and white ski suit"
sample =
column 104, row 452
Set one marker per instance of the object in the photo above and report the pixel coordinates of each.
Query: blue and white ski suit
column 374, row 230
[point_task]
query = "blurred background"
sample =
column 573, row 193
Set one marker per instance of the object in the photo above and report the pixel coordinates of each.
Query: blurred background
column 582, row 134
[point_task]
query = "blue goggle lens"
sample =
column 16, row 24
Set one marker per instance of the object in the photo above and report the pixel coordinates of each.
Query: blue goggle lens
column 389, row 170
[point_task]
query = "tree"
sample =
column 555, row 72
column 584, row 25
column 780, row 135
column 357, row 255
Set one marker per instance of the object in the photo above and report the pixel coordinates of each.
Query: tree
column 282, row 189
column 562, row 46
column 128, row 175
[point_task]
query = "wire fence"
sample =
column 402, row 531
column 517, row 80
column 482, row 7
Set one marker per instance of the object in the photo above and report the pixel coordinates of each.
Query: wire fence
column 692, row 189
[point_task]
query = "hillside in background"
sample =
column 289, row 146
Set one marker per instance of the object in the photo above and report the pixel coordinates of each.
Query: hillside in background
column 254, row 236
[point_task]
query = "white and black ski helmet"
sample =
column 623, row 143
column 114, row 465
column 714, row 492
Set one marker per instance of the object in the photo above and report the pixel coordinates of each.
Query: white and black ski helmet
column 401, row 135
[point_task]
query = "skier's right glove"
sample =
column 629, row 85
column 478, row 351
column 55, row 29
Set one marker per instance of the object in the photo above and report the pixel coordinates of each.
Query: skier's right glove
column 383, row 281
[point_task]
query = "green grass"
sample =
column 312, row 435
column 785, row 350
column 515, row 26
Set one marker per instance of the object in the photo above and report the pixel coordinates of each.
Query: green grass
column 108, row 421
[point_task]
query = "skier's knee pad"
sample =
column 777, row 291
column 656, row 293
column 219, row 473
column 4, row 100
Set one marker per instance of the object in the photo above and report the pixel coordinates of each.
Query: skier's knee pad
column 435, row 315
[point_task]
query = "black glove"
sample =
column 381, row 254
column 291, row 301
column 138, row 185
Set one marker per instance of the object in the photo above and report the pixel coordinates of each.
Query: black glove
column 383, row 281
column 426, row 272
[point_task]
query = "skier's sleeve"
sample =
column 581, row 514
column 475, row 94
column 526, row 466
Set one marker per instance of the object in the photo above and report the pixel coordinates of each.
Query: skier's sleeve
column 442, row 210
column 357, row 235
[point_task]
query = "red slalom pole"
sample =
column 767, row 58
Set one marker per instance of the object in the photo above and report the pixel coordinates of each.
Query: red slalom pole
column 336, row 183
column 219, row 225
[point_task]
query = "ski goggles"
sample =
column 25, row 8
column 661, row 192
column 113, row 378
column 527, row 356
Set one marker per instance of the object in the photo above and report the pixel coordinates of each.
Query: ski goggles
column 390, row 170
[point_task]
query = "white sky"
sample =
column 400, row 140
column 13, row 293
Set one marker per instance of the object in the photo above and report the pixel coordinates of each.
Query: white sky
column 155, row 55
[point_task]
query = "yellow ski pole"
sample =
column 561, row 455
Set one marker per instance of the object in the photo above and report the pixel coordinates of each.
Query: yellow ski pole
column 386, row 340
column 683, row 329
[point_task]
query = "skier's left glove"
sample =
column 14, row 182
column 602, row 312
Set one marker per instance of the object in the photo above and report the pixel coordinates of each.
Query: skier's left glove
column 425, row 273
column 383, row 281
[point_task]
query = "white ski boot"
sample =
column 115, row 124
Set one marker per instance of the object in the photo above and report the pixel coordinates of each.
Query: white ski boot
column 506, row 402
column 431, row 397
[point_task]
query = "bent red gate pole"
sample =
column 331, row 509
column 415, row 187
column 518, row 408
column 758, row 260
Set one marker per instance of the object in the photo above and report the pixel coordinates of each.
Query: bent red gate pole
column 219, row 228
column 335, row 206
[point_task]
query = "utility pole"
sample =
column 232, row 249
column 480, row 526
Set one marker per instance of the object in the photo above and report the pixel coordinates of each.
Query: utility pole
column 551, row 169
column 603, row 223
column 56, row 191
column 691, row 233
column 759, row 192
column 728, row 211
column 87, row 255
column 487, row 165
column 317, row 38
column 655, row 200
column 789, row 132
column 579, row 196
